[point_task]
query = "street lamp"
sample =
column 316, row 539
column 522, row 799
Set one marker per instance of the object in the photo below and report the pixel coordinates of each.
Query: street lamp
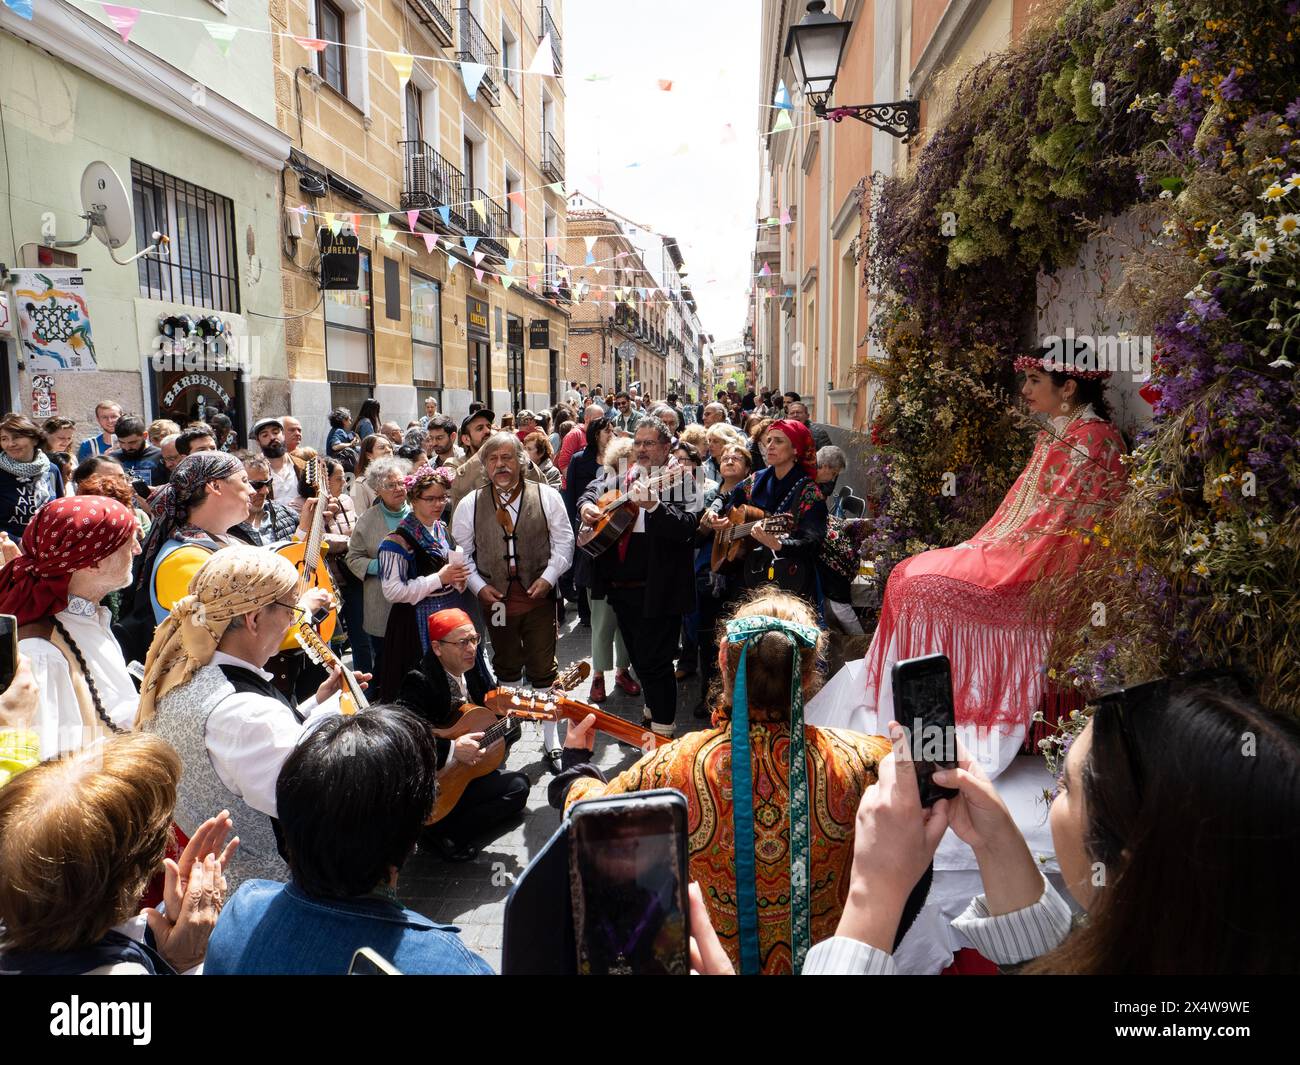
column 815, row 48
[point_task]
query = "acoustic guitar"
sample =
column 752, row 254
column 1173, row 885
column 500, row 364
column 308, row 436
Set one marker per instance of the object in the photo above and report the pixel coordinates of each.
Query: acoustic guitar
column 500, row 729
column 734, row 541
column 307, row 558
column 616, row 517
column 351, row 698
column 547, row 707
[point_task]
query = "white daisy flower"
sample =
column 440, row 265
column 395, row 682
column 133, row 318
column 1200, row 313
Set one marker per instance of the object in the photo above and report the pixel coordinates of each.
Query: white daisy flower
column 1217, row 242
column 1288, row 226
column 1275, row 192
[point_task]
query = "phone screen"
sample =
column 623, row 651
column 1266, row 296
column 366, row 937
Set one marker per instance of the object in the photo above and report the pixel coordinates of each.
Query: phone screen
column 923, row 706
column 627, row 876
column 8, row 650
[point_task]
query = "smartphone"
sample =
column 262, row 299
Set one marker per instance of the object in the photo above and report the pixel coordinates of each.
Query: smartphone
column 366, row 962
column 537, row 939
column 627, row 882
column 923, row 706
column 8, row 650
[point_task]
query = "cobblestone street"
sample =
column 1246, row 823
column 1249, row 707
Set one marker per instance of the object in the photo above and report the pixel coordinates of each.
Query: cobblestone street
column 471, row 895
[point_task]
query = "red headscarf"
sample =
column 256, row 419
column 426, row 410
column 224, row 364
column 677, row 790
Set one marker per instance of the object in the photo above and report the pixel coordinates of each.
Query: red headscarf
column 66, row 535
column 446, row 621
column 805, row 451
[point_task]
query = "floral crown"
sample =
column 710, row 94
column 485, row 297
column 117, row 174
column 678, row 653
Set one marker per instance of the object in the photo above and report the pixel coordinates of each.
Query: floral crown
column 1074, row 359
column 426, row 473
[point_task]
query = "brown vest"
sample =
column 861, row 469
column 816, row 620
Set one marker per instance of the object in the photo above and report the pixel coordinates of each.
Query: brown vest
column 532, row 538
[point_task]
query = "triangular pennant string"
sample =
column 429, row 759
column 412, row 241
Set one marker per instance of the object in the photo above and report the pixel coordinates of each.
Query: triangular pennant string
column 402, row 63
column 470, row 244
column 411, row 218
column 473, row 75
column 221, row 35
column 543, row 61
column 430, row 241
column 122, row 18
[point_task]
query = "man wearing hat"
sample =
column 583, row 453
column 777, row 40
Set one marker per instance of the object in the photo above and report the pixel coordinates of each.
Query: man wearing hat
column 450, row 675
column 287, row 477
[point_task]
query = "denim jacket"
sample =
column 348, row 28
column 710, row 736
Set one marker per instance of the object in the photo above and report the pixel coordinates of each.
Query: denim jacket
column 269, row 929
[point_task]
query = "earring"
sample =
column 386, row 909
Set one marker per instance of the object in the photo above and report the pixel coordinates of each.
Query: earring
column 1065, row 408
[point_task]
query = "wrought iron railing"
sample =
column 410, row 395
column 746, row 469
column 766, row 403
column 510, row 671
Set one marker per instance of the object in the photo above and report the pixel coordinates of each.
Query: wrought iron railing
column 490, row 227
column 430, row 182
column 436, row 17
column 557, row 44
column 552, row 158
column 474, row 47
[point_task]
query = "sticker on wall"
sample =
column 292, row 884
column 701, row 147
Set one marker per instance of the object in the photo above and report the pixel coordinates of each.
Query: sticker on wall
column 49, row 309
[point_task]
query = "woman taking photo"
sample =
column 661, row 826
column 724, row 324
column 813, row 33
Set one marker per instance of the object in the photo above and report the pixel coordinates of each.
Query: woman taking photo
column 607, row 648
column 372, row 447
column 1130, row 836
column 417, row 575
column 28, row 479
column 386, row 480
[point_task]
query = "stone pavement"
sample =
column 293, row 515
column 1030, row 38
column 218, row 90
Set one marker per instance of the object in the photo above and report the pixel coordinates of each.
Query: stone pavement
column 471, row 895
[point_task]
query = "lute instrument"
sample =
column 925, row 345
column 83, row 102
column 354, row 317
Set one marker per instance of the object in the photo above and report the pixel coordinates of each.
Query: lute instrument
column 500, row 729
column 616, row 517
column 732, row 542
column 351, row 697
column 306, row 554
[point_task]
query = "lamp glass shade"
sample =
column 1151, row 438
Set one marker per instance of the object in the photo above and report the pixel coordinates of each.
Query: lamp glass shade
column 815, row 49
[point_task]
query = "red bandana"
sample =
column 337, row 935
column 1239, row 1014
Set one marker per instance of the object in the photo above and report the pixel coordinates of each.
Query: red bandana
column 805, row 452
column 66, row 535
column 446, row 621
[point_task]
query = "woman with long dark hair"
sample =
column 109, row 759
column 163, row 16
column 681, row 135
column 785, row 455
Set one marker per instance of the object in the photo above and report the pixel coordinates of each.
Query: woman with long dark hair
column 368, row 419
column 1176, row 828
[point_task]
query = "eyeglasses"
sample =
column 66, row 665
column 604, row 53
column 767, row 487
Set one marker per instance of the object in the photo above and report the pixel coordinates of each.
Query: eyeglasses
column 257, row 486
column 392, row 486
column 466, row 643
column 298, row 613
column 432, row 499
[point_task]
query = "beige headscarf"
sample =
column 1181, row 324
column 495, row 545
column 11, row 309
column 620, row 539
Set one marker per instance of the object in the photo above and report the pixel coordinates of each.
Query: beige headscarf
column 235, row 581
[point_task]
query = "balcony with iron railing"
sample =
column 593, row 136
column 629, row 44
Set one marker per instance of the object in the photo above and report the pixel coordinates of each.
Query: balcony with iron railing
column 475, row 47
column 436, row 17
column 557, row 44
column 492, row 227
column 429, row 182
column 556, row 280
column 552, row 158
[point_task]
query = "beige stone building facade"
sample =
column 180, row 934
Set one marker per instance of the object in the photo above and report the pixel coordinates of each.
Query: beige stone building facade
column 444, row 192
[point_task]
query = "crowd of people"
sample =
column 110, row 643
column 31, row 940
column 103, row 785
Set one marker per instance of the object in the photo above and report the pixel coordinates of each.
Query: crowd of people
column 182, row 678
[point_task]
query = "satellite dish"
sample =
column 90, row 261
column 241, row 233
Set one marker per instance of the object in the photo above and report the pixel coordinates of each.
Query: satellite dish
column 106, row 205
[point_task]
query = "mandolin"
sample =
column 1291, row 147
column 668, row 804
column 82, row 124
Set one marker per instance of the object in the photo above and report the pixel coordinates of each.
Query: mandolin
column 500, row 729
column 731, row 543
column 351, row 698
column 548, row 707
column 616, row 517
column 306, row 554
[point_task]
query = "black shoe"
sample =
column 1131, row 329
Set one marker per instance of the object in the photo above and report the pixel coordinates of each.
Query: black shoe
column 553, row 759
column 451, row 851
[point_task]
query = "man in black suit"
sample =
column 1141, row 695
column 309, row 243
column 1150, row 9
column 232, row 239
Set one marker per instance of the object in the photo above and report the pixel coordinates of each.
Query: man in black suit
column 648, row 577
column 451, row 674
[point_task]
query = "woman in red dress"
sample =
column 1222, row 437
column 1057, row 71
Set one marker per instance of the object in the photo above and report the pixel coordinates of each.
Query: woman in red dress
column 971, row 602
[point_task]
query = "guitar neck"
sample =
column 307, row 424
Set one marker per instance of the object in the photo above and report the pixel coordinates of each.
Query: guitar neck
column 610, row 724
column 311, row 554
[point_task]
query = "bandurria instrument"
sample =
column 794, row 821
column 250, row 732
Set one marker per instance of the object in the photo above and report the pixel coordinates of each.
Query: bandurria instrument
column 616, row 517
column 306, row 554
column 496, row 724
column 351, row 698
column 733, row 542
column 547, row 707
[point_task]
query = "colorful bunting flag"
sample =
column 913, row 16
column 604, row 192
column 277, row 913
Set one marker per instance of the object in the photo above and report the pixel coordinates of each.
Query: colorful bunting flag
column 402, row 63
column 543, row 60
column 665, row 85
column 590, row 259
column 517, row 198
column 479, row 257
column 430, row 241
column 411, row 218
column 329, row 221
column 782, row 99
column 445, row 214
column 383, row 219
column 470, row 244
column 473, row 75
column 782, row 122
column 480, row 209
column 556, row 187
column 510, row 266
column 312, row 44
column 532, row 282
column 766, row 271
column 507, row 281
column 336, row 227
column 388, row 235
column 122, row 18
column 514, row 249
column 452, row 263
column 785, row 217
column 221, row 35
column 552, row 243
column 21, row 8
column 479, row 274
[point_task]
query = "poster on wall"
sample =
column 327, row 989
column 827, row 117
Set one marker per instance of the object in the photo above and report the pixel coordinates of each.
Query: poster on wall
column 45, row 403
column 52, row 320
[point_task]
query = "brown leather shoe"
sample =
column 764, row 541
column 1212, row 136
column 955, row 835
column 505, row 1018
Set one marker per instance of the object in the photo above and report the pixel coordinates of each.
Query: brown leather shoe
column 598, row 693
column 625, row 681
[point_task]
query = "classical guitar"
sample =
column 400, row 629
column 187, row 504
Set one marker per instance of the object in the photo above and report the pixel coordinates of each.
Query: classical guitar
column 616, row 517
column 351, row 698
column 548, row 707
column 731, row 543
column 306, row 554
column 496, row 724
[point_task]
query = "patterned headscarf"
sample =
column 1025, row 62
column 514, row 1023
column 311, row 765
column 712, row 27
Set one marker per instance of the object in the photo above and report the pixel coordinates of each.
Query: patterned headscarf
column 740, row 631
column 235, row 581
column 171, row 503
column 805, row 451
column 64, row 536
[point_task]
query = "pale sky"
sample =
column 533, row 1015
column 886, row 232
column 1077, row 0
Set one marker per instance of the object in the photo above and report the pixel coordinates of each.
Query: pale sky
column 706, row 197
